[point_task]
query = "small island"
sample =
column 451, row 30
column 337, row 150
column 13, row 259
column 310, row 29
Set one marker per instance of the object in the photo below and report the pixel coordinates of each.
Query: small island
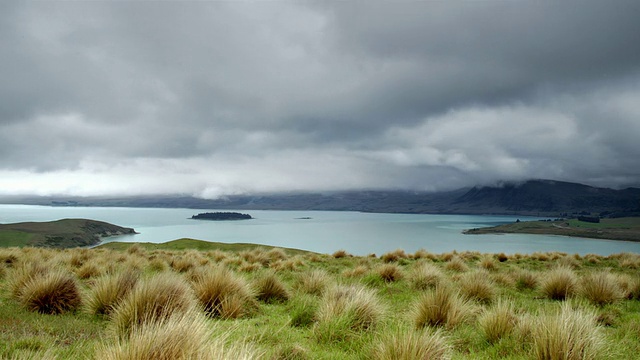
column 222, row 216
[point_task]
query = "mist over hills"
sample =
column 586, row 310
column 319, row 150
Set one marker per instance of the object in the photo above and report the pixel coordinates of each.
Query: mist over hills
column 533, row 197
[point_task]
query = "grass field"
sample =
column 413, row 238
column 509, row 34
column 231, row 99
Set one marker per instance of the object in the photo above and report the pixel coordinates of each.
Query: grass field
column 135, row 301
column 627, row 229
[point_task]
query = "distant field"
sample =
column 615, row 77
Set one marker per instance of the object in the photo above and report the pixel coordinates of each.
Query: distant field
column 614, row 229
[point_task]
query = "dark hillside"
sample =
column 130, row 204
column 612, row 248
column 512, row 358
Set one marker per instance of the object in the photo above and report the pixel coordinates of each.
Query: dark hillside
column 546, row 196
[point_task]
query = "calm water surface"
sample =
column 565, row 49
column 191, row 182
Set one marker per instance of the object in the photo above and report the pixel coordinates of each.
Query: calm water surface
column 325, row 231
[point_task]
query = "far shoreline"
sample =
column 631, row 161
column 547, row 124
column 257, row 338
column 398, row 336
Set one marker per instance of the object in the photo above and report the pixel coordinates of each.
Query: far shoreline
column 618, row 229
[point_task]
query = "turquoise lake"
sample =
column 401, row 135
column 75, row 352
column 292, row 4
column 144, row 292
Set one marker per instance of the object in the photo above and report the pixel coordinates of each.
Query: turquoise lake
column 323, row 231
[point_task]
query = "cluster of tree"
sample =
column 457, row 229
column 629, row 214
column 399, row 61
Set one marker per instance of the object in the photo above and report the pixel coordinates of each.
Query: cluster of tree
column 591, row 219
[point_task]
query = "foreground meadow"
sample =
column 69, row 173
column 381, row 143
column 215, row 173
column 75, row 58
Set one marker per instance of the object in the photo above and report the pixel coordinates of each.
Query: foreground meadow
column 148, row 302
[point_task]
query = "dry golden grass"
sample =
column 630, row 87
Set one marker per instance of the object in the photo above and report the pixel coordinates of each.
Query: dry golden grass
column 269, row 288
column 341, row 254
column 394, row 256
column 498, row 321
column 89, row 270
column 477, row 285
column 358, row 306
column 357, row 271
column 457, row 264
column 526, row 279
column 182, row 263
column 152, row 300
column 54, row 293
column 314, row 282
column 426, row 275
column 441, row 306
column 601, row 288
column 424, row 254
column 488, row 263
column 180, row 336
column 413, row 345
column 559, row 283
column 23, row 274
column 223, row 294
column 569, row 334
column 390, row 272
column 107, row 291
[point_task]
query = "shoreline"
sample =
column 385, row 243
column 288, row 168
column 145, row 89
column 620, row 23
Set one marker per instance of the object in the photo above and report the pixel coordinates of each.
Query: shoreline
column 620, row 229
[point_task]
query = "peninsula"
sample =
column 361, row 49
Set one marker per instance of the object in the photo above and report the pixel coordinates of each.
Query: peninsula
column 627, row 228
column 222, row 216
column 65, row 233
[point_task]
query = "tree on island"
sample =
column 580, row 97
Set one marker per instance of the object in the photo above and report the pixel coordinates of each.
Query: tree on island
column 222, row 216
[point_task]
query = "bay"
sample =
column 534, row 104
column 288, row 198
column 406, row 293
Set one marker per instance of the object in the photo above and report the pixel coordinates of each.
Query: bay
column 324, row 231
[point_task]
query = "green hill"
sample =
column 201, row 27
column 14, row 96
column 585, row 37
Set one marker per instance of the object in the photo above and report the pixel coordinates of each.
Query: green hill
column 65, row 233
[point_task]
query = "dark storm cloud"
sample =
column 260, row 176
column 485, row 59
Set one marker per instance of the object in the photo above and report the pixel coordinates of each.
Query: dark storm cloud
column 199, row 97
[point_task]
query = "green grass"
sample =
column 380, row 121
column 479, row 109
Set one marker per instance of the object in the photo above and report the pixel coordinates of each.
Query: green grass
column 11, row 238
column 327, row 315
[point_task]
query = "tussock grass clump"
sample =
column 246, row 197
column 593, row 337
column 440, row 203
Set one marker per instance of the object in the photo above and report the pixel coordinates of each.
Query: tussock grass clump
column 424, row 254
column 478, row 286
column 249, row 267
column 441, row 306
column 357, row 271
column 314, row 282
column 107, row 291
column 568, row 261
column 135, row 249
column 570, row 334
column 425, row 276
column 270, row 289
column 277, row 254
column 88, row 270
column 158, row 264
column 488, row 263
column 526, row 279
column 502, row 257
column 498, row 322
column 180, row 336
column 559, row 283
column 152, row 300
column 394, row 256
column 411, row 345
column 457, row 264
column 23, row 274
column 390, row 272
column 54, row 293
column 341, row 254
column 223, row 294
column 355, row 306
column 182, row 264
column 601, row 288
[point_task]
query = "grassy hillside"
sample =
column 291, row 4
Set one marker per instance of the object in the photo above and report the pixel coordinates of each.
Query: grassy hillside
column 142, row 300
column 201, row 245
column 613, row 229
column 63, row 233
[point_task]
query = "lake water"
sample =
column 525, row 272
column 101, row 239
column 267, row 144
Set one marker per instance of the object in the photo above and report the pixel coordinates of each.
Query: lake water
column 324, row 231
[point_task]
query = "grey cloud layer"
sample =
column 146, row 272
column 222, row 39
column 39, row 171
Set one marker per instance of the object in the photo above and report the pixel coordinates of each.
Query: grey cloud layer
column 199, row 97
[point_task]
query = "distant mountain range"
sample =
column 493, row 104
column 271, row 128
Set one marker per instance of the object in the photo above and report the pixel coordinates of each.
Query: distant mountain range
column 534, row 197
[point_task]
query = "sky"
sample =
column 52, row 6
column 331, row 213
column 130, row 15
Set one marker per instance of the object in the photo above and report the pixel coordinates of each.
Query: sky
column 215, row 98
